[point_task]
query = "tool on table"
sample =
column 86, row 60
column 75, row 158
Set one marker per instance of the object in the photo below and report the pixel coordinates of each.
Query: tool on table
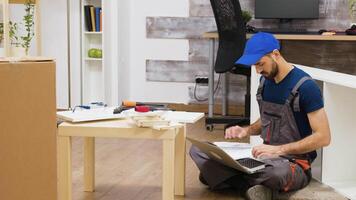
column 149, row 108
column 90, row 106
column 119, row 109
column 133, row 104
column 140, row 107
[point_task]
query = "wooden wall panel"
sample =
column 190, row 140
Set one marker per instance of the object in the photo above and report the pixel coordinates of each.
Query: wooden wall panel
column 337, row 56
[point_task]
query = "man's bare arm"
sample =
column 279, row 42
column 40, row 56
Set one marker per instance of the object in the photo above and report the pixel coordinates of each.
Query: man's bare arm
column 242, row 132
column 255, row 128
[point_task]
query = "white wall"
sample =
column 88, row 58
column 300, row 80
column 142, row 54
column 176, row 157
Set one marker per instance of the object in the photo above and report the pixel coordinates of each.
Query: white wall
column 124, row 49
column 74, row 47
column 111, row 46
column 133, row 49
column 141, row 49
column 54, row 44
column 54, row 40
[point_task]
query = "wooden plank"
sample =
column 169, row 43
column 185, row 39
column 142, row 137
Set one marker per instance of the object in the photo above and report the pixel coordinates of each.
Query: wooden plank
column 200, row 8
column 198, row 50
column 175, row 71
column 178, row 27
column 215, row 35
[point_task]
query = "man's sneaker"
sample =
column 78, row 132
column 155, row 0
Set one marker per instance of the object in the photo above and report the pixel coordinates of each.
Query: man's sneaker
column 351, row 31
column 202, row 179
column 259, row 192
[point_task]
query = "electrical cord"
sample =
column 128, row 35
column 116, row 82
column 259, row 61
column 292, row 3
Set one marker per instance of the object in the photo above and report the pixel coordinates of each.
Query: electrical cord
column 215, row 90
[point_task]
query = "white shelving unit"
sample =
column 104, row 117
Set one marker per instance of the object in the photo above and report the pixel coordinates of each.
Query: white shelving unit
column 99, row 76
column 92, row 68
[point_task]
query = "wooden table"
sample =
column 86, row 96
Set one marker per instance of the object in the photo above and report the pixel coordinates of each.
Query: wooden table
column 313, row 37
column 173, row 175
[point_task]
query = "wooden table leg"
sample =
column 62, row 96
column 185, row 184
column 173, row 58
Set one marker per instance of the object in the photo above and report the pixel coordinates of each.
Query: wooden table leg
column 168, row 169
column 89, row 164
column 179, row 170
column 64, row 168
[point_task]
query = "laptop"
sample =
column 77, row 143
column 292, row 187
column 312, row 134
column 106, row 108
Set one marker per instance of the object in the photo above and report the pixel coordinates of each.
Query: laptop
column 246, row 164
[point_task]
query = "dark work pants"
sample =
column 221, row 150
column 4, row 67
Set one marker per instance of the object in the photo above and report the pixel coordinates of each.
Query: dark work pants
column 279, row 174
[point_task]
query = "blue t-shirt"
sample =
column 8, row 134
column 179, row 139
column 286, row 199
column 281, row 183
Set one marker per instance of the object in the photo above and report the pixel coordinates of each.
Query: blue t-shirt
column 310, row 98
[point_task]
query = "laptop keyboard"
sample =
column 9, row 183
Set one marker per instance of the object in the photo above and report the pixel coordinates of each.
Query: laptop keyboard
column 250, row 163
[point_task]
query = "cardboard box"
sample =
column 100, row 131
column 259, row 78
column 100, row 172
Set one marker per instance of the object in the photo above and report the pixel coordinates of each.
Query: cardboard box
column 28, row 158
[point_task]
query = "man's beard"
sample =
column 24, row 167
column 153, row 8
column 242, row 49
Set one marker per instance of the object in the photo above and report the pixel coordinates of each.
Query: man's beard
column 273, row 73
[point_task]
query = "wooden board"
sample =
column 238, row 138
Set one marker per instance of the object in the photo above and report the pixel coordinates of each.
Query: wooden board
column 296, row 37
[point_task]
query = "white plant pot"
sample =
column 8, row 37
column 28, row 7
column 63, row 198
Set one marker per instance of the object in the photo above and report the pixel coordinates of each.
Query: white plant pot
column 18, row 52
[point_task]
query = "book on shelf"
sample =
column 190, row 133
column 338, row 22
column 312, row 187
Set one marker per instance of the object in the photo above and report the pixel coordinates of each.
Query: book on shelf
column 101, row 20
column 97, row 19
column 87, row 17
column 93, row 18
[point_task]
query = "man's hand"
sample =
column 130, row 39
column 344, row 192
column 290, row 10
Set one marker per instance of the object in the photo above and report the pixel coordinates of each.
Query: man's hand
column 266, row 151
column 236, row 132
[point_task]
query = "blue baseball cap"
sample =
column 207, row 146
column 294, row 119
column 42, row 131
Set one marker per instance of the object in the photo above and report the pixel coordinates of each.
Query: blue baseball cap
column 256, row 47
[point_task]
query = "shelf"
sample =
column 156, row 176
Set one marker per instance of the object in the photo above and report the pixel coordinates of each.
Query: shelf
column 93, row 33
column 93, row 69
column 93, row 59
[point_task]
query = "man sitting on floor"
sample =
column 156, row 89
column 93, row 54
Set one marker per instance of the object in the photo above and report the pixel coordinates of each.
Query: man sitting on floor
column 293, row 124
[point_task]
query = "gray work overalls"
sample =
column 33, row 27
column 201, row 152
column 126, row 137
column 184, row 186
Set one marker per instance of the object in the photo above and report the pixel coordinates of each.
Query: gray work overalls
column 278, row 127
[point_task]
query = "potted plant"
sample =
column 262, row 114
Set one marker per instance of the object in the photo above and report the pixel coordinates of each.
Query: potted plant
column 246, row 16
column 352, row 11
column 1, row 32
column 29, row 23
column 1, row 39
column 20, row 45
column 15, row 41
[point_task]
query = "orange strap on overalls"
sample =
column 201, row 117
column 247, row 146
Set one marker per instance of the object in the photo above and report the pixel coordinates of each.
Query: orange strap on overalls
column 303, row 164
